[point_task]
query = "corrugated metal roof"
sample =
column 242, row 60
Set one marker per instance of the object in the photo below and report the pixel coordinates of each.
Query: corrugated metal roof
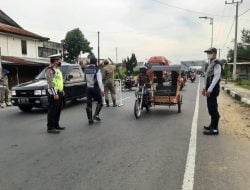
column 21, row 32
column 23, row 61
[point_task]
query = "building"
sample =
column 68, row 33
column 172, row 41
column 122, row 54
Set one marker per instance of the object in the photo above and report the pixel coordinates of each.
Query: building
column 23, row 53
column 242, row 70
column 187, row 65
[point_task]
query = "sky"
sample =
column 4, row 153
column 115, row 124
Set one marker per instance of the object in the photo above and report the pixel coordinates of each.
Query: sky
column 169, row 28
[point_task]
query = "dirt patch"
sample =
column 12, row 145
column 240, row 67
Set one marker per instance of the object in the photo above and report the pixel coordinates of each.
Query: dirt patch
column 235, row 116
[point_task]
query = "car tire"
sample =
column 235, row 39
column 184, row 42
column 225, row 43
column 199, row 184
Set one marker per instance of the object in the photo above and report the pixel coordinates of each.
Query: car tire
column 25, row 108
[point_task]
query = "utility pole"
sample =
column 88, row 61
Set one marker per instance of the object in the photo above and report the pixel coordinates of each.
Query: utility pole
column 116, row 55
column 211, row 23
column 219, row 54
column 236, row 33
column 0, row 63
column 98, row 48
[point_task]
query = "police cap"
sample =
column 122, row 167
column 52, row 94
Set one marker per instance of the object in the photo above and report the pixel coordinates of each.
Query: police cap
column 211, row 50
column 55, row 57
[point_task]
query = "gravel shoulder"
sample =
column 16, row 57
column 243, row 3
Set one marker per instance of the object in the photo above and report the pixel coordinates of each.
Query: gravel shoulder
column 235, row 117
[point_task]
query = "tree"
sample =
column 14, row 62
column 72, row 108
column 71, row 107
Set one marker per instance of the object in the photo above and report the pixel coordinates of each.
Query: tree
column 243, row 49
column 245, row 38
column 75, row 42
column 130, row 63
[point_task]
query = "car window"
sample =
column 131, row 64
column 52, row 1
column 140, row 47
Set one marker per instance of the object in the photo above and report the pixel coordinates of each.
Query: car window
column 41, row 76
column 76, row 73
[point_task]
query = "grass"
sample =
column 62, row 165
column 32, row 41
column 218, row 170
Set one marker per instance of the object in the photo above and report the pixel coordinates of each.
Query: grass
column 243, row 83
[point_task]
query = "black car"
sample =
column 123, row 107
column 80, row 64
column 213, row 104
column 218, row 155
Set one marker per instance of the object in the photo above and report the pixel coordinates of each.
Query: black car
column 35, row 93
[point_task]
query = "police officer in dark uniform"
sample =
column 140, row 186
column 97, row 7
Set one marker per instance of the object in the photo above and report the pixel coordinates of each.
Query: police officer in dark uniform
column 211, row 90
column 95, row 90
column 54, row 78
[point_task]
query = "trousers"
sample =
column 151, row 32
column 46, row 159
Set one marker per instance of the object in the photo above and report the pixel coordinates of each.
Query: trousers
column 54, row 111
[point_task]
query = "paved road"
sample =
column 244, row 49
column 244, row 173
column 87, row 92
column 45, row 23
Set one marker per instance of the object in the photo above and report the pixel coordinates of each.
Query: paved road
column 119, row 153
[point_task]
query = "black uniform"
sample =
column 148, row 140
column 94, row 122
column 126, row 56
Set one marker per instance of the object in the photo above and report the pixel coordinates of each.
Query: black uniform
column 94, row 88
column 212, row 99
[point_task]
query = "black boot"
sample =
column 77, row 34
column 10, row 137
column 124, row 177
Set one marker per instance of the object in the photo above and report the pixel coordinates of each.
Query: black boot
column 97, row 111
column 107, row 103
column 214, row 127
column 89, row 115
column 209, row 127
column 114, row 104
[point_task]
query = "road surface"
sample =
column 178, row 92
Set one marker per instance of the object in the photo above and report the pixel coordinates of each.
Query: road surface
column 120, row 153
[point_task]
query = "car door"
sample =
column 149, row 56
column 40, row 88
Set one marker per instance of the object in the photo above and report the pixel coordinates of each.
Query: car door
column 75, row 83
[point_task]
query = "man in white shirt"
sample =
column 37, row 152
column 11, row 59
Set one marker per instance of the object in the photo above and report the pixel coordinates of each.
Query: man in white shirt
column 95, row 90
column 211, row 90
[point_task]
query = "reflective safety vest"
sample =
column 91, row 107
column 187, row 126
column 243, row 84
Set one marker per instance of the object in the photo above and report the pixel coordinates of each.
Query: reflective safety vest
column 58, row 80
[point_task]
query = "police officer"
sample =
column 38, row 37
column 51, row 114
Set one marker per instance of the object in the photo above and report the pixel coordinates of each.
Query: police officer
column 54, row 78
column 95, row 90
column 108, row 80
column 211, row 90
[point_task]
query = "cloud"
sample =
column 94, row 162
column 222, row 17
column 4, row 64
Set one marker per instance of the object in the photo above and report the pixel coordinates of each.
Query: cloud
column 144, row 27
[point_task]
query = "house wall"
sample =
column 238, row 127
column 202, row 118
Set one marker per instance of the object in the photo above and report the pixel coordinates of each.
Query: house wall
column 11, row 46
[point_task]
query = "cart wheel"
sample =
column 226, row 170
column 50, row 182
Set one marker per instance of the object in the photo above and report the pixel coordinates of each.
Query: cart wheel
column 137, row 109
column 179, row 105
column 147, row 108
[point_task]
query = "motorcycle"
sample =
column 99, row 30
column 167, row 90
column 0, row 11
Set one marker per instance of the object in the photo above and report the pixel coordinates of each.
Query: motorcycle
column 192, row 77
column 128, row 84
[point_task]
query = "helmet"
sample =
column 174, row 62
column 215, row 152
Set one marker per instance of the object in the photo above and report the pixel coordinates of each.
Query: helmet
column 143, row 69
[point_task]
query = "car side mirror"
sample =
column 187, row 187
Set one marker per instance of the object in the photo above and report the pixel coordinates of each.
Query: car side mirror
column 70, row 77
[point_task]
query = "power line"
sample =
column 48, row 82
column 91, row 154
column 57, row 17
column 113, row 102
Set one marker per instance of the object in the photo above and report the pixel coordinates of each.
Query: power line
column 225, row 43
column 244, row 12
column 187, row 10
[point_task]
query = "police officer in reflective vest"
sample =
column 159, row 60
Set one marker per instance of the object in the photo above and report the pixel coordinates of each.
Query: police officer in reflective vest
column 211, row 90
column 95, row 90
column 54, row 78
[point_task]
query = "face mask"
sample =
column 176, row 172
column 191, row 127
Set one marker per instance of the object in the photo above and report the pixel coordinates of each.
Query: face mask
column 210, row 56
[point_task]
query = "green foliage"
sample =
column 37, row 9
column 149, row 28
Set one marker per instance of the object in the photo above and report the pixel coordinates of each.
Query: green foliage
column 245, row 38
column 130, row 64
column 243, row 49
column 74, row 43
column 227, row 72
column 120, row 73
column 243, row 83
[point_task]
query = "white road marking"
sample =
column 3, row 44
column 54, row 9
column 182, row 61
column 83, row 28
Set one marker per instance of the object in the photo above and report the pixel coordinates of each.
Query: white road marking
column 123, row 99
column 188, row 181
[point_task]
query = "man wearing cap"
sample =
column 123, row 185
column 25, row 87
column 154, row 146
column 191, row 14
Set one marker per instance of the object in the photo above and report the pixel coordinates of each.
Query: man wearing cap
column 95, row 90
column 54, row 78
column 211, row 90
column 108, row 80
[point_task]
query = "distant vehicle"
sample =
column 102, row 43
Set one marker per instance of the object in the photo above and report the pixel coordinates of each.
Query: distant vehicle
column 192, row 76
column 35, row 93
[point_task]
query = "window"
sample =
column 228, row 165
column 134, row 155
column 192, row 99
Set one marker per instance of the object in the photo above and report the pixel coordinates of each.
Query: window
column 46, row 52
column 76, row 74
column 24, row 47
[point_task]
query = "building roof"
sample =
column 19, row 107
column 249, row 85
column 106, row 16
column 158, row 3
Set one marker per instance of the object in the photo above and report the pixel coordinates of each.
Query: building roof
column 10, row 60
column 21, row 32
column 5, row 19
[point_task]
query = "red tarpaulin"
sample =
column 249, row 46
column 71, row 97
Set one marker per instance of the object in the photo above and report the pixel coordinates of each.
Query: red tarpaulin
column 159, row 59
